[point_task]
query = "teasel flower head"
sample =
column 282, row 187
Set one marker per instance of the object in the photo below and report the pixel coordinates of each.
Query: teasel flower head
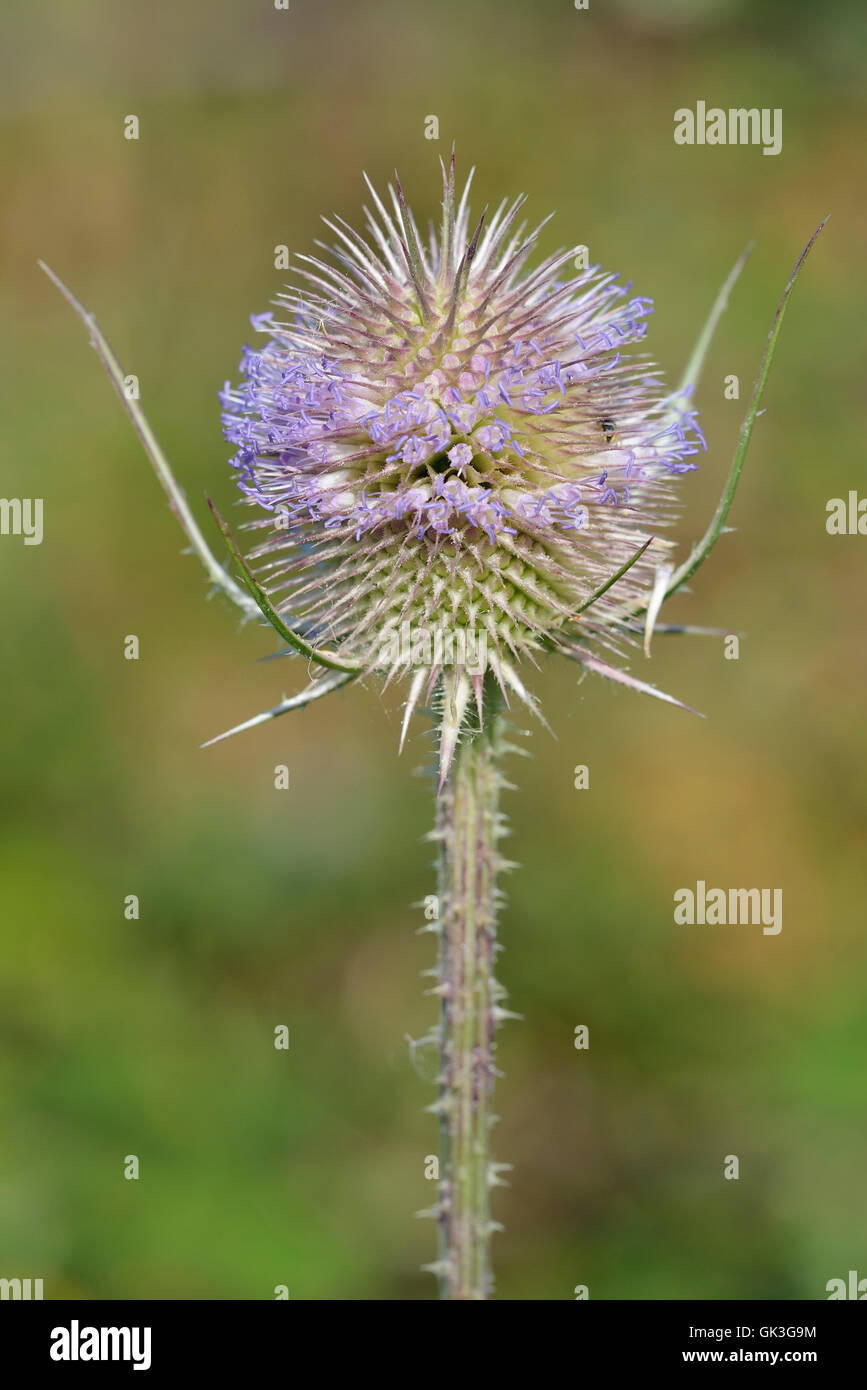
column 457, row 462
column 451, row 455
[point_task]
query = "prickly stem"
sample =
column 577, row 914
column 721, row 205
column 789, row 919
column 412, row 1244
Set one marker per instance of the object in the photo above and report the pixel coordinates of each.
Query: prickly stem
column 469, row 825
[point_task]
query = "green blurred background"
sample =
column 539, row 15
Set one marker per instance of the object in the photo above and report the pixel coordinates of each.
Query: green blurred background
column 259, row 907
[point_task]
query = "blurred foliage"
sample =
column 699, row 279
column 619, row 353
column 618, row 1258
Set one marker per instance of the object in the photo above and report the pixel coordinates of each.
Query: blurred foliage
column 261, row 907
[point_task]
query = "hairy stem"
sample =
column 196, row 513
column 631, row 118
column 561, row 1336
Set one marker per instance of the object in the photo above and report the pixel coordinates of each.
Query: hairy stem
column 469, row 824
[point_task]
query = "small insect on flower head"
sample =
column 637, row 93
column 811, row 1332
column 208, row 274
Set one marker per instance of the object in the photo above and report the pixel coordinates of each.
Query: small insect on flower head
column 453, row 454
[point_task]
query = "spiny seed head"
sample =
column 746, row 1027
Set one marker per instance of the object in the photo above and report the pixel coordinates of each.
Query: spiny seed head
column 451, row 453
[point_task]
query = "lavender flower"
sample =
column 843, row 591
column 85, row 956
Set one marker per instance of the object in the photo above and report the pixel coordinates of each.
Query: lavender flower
column 443, row 442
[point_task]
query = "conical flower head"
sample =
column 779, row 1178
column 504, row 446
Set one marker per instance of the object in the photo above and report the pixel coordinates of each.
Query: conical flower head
column 452, row 453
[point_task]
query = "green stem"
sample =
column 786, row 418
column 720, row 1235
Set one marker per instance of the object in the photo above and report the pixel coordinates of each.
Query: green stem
column 469, row 825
